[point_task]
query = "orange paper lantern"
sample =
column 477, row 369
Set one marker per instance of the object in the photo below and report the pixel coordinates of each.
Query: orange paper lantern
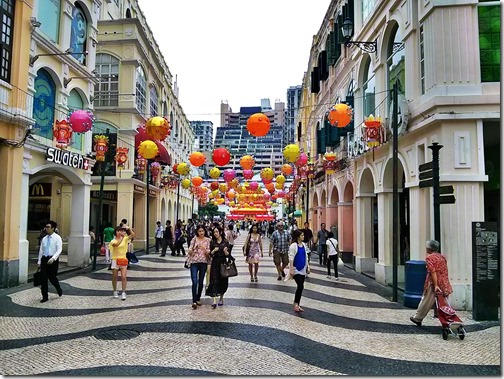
column 286, row 169
column 258, row 125
column 247, row 162
column 197, row 181
column 197, row 159
column 340, row 115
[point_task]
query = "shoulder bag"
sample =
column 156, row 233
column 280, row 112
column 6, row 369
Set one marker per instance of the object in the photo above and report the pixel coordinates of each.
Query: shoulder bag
column 37, row 279
column 228, row 269
column 340, row 261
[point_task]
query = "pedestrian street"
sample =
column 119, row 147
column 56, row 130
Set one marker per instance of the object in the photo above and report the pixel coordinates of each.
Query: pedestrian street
column 348, row 327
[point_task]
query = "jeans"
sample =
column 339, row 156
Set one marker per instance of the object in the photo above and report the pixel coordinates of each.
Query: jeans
column 322, row 252
column 332, row 258
column 159, row 244
column 198, row 271
column 299, row 279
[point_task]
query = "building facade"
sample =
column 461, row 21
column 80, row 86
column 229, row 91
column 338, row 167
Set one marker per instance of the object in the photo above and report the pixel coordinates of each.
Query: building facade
column 447, row 73
column 293, row 108
column 203, row 131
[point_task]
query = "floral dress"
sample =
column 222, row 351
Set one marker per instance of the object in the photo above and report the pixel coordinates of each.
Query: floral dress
column 254, row 254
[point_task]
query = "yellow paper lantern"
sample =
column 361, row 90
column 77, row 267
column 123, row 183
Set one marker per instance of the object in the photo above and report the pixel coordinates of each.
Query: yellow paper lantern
column 291, row 153
column 147, row 149
column 267, row 173
column 223, row 187
column 280, row 179
column 157, row 128
column 214, row 173
column 186, row 183
column 279, row 185
column 183, row 169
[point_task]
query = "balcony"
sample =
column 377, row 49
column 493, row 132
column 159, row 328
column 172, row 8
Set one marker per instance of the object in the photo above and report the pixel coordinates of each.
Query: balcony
column 16, row 105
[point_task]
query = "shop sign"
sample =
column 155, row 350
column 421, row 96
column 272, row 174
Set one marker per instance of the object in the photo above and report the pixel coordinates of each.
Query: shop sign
column 106, row 195
column 66, row 158
column 40, row 189
column 152, row 193
column 138, row 188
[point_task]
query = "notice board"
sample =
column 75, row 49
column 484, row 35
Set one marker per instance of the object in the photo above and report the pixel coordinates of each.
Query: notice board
column 486, row 270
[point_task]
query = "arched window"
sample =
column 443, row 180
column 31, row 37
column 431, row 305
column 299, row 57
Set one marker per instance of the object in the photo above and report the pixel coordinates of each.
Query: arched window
column 396, row 68
column 368, row 89
column 165, row 109
column 153, row 101
column 44, row 104
column 75, row 102
column 106, row 91
column 141, row 91
column 78, row 34
column 49, row 16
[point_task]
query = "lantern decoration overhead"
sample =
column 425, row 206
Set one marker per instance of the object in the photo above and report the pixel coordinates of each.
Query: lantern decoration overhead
column 157, row 128
column 329, row 167
column 330, row 155
column 81, row 121
column 214, row 173
column 281, row 194
column 311, row 170
column 221, row 156
column 229, row 175
column 302, row 160
column 253, row 186
column 280, row 179
column 279, row 186
column 286, row 169
column 63, row 133
column 186, row 183
column 101, row 147
column 155, row 169
column 340, row 115
column 223, row 187
column 267, row 173
column 197, row 181
column 197, row 158
column 270, row 187
column 231, row 194
column 141, row 164
column 258, row 125
column 373, row 131
column 121, row 156
column 183, row 169
column 247, row 162
column 214, row 186
column 175, row 166
column 147, row 149
column 248, row 174
column 233, row 183
column 291, row 153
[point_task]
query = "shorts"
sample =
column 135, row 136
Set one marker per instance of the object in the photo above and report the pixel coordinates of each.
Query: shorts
column 114, row 266
column 280, row 258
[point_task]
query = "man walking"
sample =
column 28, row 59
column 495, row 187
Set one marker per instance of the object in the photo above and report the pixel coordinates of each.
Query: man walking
column 322, row 244
column 48, row 260
column 159, row 235
column 168, row 239
column 279, row 246
column 308, row 238
column 436, row 281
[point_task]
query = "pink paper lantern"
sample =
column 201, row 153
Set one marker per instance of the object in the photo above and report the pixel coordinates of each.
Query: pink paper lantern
column 81, row 121
column 248, row 174
column 229, row 175
column 281, row 194
column 253, row 185
column 302, row 160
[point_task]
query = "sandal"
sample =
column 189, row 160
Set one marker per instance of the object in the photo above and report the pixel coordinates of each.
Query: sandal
column 214, row 306
column 297, row 308
column 255, row 280
column 221, row 303
column 252, row 279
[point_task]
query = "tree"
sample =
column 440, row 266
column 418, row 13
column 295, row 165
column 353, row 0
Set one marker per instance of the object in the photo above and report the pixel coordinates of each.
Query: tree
column 209, row 210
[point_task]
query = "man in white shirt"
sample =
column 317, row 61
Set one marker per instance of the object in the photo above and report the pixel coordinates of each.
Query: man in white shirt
column 159, row 236
column 48, row 260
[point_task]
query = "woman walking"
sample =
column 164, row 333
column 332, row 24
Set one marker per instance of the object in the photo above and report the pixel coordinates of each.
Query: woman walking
column 298, row 265
column 199, row 252
column 332, row 255
column 255, row 251
column 230, row 236
column 219, row 252
column 118, row 249
column 179, row 238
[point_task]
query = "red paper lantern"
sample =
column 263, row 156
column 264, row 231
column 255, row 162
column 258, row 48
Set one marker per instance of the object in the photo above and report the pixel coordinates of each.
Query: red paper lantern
column 155, row 169
column 81, row 121
column 121, row 156
column 175, row 167
column 101, row 147
column 63, row 133
column 141, row 164
column 221, row 156
column 214, row 186
column 258, row 125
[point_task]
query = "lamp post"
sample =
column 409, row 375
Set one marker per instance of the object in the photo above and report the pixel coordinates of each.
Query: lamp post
column 395, row 193
column 178, row 199
column 100, row 206
column 147, row 211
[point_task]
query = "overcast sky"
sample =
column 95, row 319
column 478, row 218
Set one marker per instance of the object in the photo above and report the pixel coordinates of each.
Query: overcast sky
column 234, row 50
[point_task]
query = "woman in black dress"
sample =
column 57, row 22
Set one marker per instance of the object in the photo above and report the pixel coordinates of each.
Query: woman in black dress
column 219, row 251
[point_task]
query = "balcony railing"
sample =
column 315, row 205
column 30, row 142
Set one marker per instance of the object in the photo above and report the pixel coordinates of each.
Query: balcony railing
column 16, row 105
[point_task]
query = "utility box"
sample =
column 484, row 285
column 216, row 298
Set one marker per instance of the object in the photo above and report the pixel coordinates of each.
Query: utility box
column 414, row 276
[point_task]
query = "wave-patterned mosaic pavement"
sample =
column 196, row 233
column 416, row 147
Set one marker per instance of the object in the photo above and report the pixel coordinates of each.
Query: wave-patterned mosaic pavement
column 348, row 327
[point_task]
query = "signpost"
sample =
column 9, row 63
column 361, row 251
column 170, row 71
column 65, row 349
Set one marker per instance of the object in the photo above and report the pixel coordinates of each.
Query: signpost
column 429, row 177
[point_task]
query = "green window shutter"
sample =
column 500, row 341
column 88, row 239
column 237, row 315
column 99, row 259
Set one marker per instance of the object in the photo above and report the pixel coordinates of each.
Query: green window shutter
column 339, row 23
column 328, row 47
column 489, row 40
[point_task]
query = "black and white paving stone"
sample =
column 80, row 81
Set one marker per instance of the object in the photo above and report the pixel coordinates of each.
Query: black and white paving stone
column 348, row 327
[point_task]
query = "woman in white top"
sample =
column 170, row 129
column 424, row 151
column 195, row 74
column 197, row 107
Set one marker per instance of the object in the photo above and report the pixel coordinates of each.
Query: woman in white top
column 298, row 265
column 332, row 254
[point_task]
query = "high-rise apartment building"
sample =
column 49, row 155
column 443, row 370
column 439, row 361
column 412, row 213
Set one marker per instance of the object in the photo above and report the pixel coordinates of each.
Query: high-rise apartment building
column 203, row 131
column 293, row 105
column 233, row 134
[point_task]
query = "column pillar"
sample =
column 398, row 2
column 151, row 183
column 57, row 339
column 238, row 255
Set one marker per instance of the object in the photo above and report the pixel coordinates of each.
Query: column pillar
column 345, row 226
column 364, row 261
column 24, row 245
column 79, row 241
column 383, row 269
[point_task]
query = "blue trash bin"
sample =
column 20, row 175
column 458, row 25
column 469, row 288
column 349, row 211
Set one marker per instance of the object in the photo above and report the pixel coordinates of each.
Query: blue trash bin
column 414, row 276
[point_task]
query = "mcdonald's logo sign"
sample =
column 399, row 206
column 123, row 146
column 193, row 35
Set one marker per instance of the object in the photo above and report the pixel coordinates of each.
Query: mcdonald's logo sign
column 40, row 189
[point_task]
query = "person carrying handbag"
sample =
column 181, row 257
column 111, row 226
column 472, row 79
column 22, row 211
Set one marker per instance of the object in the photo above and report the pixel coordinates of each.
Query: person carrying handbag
column 332, row 255
column 219, row 253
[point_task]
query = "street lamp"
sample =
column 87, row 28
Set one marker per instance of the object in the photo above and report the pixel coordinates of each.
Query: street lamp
column 347, row 30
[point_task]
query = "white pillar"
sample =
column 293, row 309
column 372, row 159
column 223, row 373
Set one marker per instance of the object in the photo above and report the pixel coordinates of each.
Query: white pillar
column 79, row 241
column 383, row 269
column 364, row 260
column 24, row 245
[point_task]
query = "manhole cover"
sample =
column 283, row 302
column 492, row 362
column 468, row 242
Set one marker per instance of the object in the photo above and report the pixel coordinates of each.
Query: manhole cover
column 117, row 334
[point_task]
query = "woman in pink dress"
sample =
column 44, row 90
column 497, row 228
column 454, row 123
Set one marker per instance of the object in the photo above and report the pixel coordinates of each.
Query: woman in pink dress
column 255, row 253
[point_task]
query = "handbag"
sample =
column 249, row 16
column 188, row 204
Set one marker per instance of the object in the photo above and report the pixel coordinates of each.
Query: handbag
column 228, row 270
column 132, row 258
column 37, row 279
column 187, row 264
column 122, row 261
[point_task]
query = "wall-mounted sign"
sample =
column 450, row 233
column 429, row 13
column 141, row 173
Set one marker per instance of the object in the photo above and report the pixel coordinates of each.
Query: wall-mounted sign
column 66, row 158
column 138, row 188
column 40, row 189
column 107, row 195
column 152, row 193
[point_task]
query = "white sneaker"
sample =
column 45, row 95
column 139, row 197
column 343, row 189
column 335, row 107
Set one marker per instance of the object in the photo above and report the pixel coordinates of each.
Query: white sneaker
column 328, row 276
column 123, row 296
column 336, row 279
column 115, row 294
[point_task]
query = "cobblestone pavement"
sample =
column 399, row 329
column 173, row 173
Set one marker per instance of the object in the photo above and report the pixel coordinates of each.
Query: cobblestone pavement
column 348, row 327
